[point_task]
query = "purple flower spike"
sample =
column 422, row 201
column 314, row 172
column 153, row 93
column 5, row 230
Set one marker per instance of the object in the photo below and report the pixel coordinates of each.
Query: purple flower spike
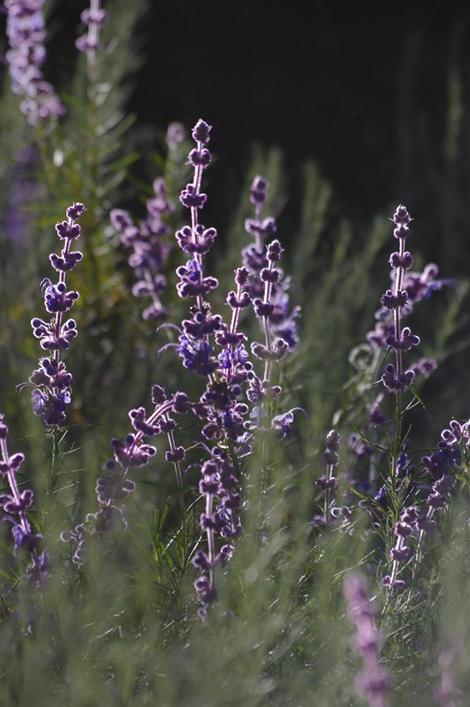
column 14, row 506
column 395, row 379
column 268, row 289
column 26, row 34
column 216, row 350
column 149, row 248
column 408, row 288
column 373, row 682
column 52, row 381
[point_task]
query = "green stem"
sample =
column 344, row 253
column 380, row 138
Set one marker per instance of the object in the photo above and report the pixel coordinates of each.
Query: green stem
column 54, row 460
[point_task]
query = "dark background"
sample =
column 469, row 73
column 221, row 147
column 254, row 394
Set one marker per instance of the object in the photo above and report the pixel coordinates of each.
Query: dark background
column 361, row 88
column 324, row 80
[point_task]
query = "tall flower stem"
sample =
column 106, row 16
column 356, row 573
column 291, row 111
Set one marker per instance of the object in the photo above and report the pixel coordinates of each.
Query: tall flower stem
column 52, row 381
column 396, row 381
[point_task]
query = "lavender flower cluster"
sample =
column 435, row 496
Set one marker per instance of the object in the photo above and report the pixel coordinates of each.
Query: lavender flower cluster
column 15, row 505
column 432, row 491
column 52, row 381
column 373, row 682
column 240, row 381
column 389, row 335
column 26, row 35
column 150, row 248
column 235, row 398
column 223, row 413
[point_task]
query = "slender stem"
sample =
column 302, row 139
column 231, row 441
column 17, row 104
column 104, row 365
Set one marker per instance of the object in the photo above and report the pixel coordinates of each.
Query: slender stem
column 210, row 541
column 399, row 368
column 396, row 563
column 268, row 288
column 419, row 545
column 62, row 281
column 197, row 178
column 54, row 460
column 179, row 481
column 329, row 470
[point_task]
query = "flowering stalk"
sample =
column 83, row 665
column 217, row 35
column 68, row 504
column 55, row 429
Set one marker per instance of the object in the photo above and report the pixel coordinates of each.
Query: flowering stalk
column 52, row 380
column 395, row 379
column 226, row 374
column 113, row 486
column 229, row 373
column 15, row 504
column 149, row 249
column 398, row 302
column 268, row 289
column 282, row 318
column 26, row 34
column 373, row 682
column 408, row 288
column 93, row 18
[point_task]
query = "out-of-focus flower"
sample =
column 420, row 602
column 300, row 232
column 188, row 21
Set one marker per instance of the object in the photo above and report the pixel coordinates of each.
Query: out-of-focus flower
column 26, row 34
